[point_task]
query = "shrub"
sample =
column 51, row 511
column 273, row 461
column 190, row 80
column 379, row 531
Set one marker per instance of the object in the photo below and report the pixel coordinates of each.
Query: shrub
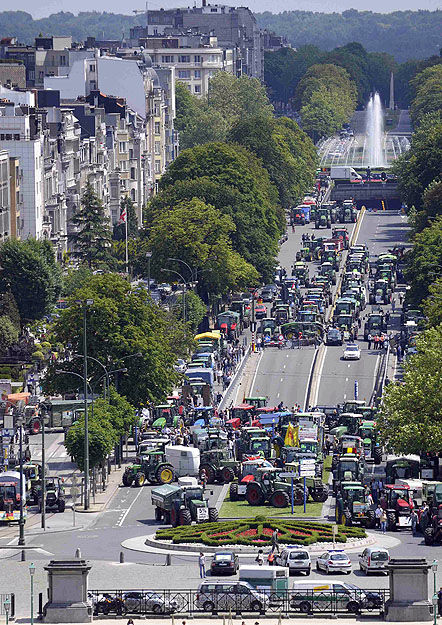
column 38, row 355
column 257, row 532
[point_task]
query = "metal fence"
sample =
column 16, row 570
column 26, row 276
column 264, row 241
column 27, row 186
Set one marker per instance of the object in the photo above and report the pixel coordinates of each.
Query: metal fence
column 216, row 597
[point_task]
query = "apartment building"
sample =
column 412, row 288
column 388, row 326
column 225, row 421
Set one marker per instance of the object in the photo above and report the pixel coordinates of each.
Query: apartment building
column 15, row 196
column 5, row 197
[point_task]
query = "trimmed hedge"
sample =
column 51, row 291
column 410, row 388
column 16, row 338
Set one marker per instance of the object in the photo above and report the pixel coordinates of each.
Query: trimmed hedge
column 258, row 532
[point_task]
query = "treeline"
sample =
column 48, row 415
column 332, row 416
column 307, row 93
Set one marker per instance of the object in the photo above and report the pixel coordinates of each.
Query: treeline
column 411, row 419
column 403, row 34
column 285, row 68
column 220, row 205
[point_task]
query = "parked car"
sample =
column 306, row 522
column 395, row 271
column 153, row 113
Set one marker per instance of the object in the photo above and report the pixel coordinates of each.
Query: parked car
column 309, row 595
column 140, row 603
column 297, row 559
column 224, row 562
column 374, row 559
column 332, row 561
column 219, row 595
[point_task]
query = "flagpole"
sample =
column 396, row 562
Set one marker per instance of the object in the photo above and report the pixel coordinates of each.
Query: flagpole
column 127, row 253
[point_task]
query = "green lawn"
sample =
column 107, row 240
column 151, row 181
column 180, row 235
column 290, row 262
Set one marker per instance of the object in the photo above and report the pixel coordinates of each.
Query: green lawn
column 243, row 510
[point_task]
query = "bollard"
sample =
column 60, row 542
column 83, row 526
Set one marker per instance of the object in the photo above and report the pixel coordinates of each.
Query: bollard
column 121, row 557
column 23, row 555
column 168, row 559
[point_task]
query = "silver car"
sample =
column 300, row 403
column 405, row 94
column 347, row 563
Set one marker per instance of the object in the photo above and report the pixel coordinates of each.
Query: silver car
column 221, row 595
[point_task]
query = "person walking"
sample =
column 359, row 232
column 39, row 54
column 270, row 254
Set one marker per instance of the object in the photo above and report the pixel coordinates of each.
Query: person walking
column 399, row 352
column 275, row 544
column 202, row 563
column 259, row 558
column 393, row 305
column 439, row 601
column 369, row 339
column 378, row 513
column 413, row 518
column 376, row 341
column 383, row 520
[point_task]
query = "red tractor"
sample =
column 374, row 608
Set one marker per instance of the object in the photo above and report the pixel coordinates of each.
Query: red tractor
column 433, row 528
column 399, row 506
column 248, row 473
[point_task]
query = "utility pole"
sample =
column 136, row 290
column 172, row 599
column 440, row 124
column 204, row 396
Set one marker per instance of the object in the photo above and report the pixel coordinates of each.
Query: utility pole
column 43, row 470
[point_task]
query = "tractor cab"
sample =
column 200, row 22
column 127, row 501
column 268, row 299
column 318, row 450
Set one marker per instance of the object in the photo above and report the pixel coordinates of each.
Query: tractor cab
column 258, row 402
column 402, row 468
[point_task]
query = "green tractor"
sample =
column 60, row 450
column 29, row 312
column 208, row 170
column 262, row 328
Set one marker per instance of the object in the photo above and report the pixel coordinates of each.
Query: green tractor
column 328, row 270
column 268, row 486
column 323, row 219
column 351, row 506
column 182, row 504
column 218, row 465
column 349, row 468
column 347, row 213
column 372, row 449
column 300, row 270
column 154, row 468
column 55, row 495
column 380, row 293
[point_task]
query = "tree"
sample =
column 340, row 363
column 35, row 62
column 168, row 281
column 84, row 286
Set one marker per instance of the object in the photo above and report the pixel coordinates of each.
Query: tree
column 8, row 334
column 195, row 310
column 198, row 234
column 132, row 222
column 411, row 414
column 102, row 438
column 236, row 97
column 92, row 242
column 428, row 93
column 232, row 180
column 286, row 152
column 424, row 261
column 420, row 166
column 432, row 304
column 205, row 126
column 31, row 275
column 74, row 279
column 122, row 321
column 284, row 68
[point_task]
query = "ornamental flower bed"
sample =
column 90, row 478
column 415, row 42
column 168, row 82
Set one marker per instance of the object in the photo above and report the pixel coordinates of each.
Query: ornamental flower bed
column 258, row 532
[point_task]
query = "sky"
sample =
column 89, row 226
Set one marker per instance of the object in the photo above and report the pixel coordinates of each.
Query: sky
column 43, row 8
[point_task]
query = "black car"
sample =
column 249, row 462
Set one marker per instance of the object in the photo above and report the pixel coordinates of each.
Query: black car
column 224, row 562
column 334, row 337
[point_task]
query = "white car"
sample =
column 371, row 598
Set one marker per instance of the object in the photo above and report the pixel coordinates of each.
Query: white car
column 334, row 560
column 352, row 352
column 180, row 365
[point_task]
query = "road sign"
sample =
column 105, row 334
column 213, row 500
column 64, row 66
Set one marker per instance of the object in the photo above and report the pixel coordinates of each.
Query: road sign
column 8, row 432
column 267, row 339
column 253, row 326
column 306, row 473
column 288, row 474
column 281, row 337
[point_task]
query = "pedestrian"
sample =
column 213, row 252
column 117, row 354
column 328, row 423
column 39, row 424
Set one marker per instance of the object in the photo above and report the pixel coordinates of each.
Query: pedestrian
column 202, row 563
column 259, row 558
column 393, row 304
column 369, row 339
column 293, row 227
column 275, row 544
column 414, row 519
column 439, row 601
column 383, row 520
column 376, row 341
column 381, row 341
column 130, row 622
column 387, row 317
column 370, row 499
column 378, row 513
column 271, row 558
column 399, row 352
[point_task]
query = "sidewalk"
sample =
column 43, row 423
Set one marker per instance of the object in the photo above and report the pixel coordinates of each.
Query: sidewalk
column 274, row 619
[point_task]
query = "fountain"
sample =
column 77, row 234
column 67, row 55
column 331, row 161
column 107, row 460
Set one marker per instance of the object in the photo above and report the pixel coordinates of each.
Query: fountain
column 375, row 131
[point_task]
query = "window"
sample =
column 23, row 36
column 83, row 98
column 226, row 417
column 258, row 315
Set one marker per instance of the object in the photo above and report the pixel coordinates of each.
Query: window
column 92, row 68
column 62, row 59
column 157, row 128
column 184, row 73
column 184, row 58
column 17, row 137
column 197, row 58
column 131, row 153
column 197, row 73
column 167, row 58
column 157, row 147
column 197, row 88
column 158, row 167
column 132, row 173
column 123, row 146
column 133, row 195
column 93, row 85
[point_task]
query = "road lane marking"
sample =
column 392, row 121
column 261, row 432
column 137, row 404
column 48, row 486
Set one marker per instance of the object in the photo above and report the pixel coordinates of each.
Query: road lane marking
column 122, row 519
column 277, row 396
column 318, row 378
column 256, row 373
column 345, row 396
column 281, row 380
column 346, row 379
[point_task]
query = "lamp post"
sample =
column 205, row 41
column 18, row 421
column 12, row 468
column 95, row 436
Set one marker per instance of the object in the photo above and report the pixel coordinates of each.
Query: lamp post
column 184, row 289
column 84, row 304
column 434, row 569
column 148, row 256
column 6, row 605
column 21, row 522
column 43, row 470
column 31, row 573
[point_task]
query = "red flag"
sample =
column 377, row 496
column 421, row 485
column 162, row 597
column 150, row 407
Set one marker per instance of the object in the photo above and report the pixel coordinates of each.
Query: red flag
column 123, row 215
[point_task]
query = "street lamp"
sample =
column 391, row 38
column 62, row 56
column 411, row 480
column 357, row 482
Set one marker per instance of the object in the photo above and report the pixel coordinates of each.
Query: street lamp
column 148, row 256
column 21, row 522
column 31, row 573
column 434, row 569
column 184, row 289
column 6, row 605
column 84, row 304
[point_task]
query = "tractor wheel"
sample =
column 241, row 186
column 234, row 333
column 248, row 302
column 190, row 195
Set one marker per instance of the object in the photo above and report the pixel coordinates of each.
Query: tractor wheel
column 61, row 505
column 371, row 519
column 210, row 472
column 319, row 494
column 213, row 515
column 279, row 499
column 127, row 479
column 298, row 498
column 165, row 474
column 227, row 475
column 391, row 521
column 233, row 491
column 158, row 514
column 429, row 536
column 140, row 478
column 254, row 494
column 174, row 517
column 377, row 455
column 185, row 517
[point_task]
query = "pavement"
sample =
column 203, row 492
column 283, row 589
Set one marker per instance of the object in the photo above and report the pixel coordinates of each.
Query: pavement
column 273, row 619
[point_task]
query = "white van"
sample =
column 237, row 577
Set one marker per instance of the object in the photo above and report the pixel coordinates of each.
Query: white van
column 296, row 559
column 374, row 559
column 185, row 460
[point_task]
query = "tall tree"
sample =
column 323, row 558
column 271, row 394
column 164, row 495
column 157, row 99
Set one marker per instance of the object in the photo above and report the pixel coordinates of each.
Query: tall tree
column 30, row 273
column 92, row 243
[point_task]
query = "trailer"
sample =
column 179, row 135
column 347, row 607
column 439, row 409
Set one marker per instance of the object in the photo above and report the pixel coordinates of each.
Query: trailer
column 182, row 504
